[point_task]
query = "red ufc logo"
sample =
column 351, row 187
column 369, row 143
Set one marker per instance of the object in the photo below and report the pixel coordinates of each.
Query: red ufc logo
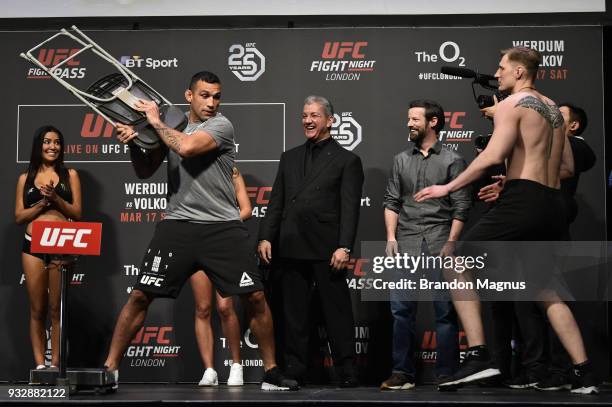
column 338, row 50
column 94, row 125
column 452, row 118
column 463, row 345
column 429, row 341
column 261, row 195
column 66, row 237
column 356, row 265
column 156, row 333
column 52, row 57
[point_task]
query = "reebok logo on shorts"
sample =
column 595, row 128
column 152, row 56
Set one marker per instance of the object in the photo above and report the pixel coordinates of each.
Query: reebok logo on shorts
column 246, row 281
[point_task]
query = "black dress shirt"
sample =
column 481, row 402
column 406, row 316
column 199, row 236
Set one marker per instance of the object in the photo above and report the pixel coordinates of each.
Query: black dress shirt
column 312, row 153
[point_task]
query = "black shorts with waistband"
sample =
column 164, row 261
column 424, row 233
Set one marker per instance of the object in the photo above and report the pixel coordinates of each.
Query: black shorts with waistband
column 526, row 214
column 525, row 210
column 180, row 248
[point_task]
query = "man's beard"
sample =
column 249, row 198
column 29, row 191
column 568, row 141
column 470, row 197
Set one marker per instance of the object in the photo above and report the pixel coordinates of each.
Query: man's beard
column 417, row 137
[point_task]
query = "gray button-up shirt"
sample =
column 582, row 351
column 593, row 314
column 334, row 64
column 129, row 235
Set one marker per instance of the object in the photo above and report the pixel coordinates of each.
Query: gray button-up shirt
column 430, row 220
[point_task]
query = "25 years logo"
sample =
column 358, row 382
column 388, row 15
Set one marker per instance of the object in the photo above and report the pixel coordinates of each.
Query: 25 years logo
column 346, row 130
column 246, row 62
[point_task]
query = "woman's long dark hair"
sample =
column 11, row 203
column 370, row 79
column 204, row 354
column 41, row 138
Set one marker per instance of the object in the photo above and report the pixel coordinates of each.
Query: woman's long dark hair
column 36, row 158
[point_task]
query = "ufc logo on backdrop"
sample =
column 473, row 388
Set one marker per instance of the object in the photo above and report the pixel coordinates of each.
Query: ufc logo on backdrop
column 346, row 131
column 94, row 126
column 261, row 195
column 155, row 333
column 357, row 266
column 338, row 50
column 452, row 118
column 66, row 237
column 52, row 57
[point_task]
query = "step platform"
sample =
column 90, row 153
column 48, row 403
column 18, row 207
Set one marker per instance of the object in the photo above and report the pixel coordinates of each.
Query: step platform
column 98, row 380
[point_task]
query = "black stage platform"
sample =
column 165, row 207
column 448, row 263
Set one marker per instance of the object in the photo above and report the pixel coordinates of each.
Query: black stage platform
column 426, row 395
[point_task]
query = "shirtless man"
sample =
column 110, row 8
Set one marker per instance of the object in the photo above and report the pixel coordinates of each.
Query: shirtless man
column 529, row 134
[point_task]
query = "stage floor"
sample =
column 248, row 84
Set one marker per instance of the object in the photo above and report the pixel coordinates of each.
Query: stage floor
column 179, row 394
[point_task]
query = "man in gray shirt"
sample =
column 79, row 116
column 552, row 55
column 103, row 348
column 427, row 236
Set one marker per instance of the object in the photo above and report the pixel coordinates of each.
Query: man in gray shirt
column 202, row 229
column 426, row 227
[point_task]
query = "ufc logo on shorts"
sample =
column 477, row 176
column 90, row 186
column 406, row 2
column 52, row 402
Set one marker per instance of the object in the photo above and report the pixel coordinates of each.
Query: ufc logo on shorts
column 151, row 280
column 66, row 237
column 338, row 50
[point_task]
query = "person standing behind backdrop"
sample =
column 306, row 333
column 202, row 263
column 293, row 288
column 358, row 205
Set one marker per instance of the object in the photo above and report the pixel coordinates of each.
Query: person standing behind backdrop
column 203, row 292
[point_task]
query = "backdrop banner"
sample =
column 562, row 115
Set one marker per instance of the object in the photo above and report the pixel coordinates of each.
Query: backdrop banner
column 370, row 75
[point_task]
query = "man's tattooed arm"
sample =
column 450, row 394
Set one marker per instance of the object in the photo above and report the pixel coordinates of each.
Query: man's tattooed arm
column 174, row 139
column 196, row 143
column 556, row 116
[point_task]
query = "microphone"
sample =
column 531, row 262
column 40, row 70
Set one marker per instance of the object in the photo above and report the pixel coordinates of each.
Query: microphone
column 467, row 73
column 456, row 71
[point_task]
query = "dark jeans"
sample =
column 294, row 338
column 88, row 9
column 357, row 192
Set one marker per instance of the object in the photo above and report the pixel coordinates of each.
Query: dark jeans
column 404, row 340
column 404, row 312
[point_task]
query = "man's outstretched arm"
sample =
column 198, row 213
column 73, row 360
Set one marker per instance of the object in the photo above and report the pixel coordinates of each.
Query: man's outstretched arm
column 502, row 141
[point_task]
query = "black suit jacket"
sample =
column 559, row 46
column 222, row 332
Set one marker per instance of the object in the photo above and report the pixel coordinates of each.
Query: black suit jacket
column 314, row 215
column 584, row 160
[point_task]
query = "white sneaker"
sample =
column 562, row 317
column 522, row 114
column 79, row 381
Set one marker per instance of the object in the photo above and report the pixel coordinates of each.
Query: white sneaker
column 235, row 376
column 41, row 367
column 209, row 378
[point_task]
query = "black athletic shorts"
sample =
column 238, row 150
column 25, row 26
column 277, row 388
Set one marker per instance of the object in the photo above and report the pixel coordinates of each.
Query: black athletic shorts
column 179, row 249
column 525, row 210
column 534, row 218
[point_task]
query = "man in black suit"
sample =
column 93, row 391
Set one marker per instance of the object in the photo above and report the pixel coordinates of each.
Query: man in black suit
column 313, row 215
